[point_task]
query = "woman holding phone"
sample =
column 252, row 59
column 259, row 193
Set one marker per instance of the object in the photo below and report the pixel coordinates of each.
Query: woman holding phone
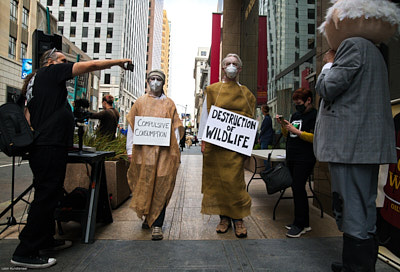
column 300, row 158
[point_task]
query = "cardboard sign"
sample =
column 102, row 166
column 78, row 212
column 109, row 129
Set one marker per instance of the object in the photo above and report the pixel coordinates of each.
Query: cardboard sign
column 152, row 131
column 230, row 130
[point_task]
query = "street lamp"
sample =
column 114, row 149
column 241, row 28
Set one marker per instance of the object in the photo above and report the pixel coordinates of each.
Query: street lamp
column 185, row 112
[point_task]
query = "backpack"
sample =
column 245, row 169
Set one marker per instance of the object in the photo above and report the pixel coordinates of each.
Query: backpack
column 16, row 135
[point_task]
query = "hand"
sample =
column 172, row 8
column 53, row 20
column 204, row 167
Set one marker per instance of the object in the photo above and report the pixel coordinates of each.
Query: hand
column 279, row 120
column 130, row 158
column 203, row 146
column 329, row 56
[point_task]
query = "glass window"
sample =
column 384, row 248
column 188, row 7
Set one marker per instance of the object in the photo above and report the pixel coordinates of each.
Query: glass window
column 60, row 30
column 62, row 3
column 12, row 47
column 310, row 1
column 49, row 2
column 97, row 32
column 109, row 48
column 296, row 27
column 98, row 17
column 99, row 3
column 86, row 17
column 311, row 29
column 96, row 47
column 311, row 43
column 74, row 3
column 111, row 3
column 61, row 16
column 23, row 51
column 107, row 78
column 86, row 3
column 25, row 18
column 84, row 47
column 13, row 10
column 72, row 31
column 85, row 31
column 109, row 32
column 311, row 14
column 73, row 16
column 111, row 17
column 203, row 53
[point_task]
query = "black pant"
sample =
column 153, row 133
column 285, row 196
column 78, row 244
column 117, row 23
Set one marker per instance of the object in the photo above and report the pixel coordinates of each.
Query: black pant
column 48, row 165
column 300, row 171
column 160, row 219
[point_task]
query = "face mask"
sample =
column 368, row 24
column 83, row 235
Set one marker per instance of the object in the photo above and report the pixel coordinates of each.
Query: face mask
column 155, row 85
column 231, row 71
column 301, row 108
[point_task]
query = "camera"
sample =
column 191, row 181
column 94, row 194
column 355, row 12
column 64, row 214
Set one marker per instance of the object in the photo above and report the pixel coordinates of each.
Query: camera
column 81, row 112
column 128, row 66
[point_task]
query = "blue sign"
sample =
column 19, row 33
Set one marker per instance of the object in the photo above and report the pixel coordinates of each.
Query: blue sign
column 26, row 67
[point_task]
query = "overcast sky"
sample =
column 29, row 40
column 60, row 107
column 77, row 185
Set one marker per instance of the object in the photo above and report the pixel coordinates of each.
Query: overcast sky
column 190, row 29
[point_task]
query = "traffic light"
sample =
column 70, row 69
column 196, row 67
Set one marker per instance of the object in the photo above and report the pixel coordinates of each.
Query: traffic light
column 41, row 43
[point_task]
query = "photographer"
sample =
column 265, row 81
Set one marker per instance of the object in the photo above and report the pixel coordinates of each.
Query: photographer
column 47, row 102
column 108, row 118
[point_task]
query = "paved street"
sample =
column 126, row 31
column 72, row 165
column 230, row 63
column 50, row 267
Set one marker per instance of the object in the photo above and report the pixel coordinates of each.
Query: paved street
column 190, row 241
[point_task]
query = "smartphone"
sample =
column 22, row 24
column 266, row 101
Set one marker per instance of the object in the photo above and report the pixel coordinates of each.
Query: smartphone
column 281, row 118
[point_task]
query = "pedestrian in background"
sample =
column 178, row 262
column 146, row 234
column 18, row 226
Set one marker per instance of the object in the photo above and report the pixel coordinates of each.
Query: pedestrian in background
column 152, row 171
column 108, row 117
column 47, row 102
column 266, row 133
column 300, row 159
column 354, row 133
column 223, row 185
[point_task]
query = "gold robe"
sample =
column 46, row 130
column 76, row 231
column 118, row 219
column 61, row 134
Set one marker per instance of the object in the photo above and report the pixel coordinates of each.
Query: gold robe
column 223, row 185
column 153, row 169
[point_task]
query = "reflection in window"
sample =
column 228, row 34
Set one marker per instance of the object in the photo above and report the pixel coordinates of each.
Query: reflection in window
column 96, row 47
column 12, row 42
column 85, row 31
column 61, row 16
column 98, row 17
column 25, row 18
column 72, row 31
column 86, row 17
column 111, row 17
column 73, row 16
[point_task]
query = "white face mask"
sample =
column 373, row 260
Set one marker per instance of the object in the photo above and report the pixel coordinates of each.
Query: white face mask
column 155, row 85
column 231, row 71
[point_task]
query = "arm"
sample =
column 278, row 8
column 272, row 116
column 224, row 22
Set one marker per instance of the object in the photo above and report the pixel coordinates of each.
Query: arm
column 333, row 82
column 98, row 115
column 129, row 142
column 94, row 65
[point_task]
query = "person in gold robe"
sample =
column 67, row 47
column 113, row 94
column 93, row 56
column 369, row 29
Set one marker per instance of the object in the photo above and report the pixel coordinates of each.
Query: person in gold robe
column 153, row 169
column 223, row 186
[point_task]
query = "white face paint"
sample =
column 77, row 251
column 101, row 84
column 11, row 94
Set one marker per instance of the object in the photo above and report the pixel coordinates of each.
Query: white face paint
column 155, row 85
column 231, row 71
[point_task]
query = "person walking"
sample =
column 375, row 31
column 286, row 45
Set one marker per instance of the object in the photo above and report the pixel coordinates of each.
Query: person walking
column 108, row 117
column 354, row 133
column 153, row 168
column 300, row 157
column 223, row 185
column 46, row 96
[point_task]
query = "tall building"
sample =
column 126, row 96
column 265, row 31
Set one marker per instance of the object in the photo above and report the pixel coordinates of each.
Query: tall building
column 200, row 75
column 291, row 28
column 133, row 47
column 165, row 50
column 108, row 29
column 18, row 20
column 154, row 35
